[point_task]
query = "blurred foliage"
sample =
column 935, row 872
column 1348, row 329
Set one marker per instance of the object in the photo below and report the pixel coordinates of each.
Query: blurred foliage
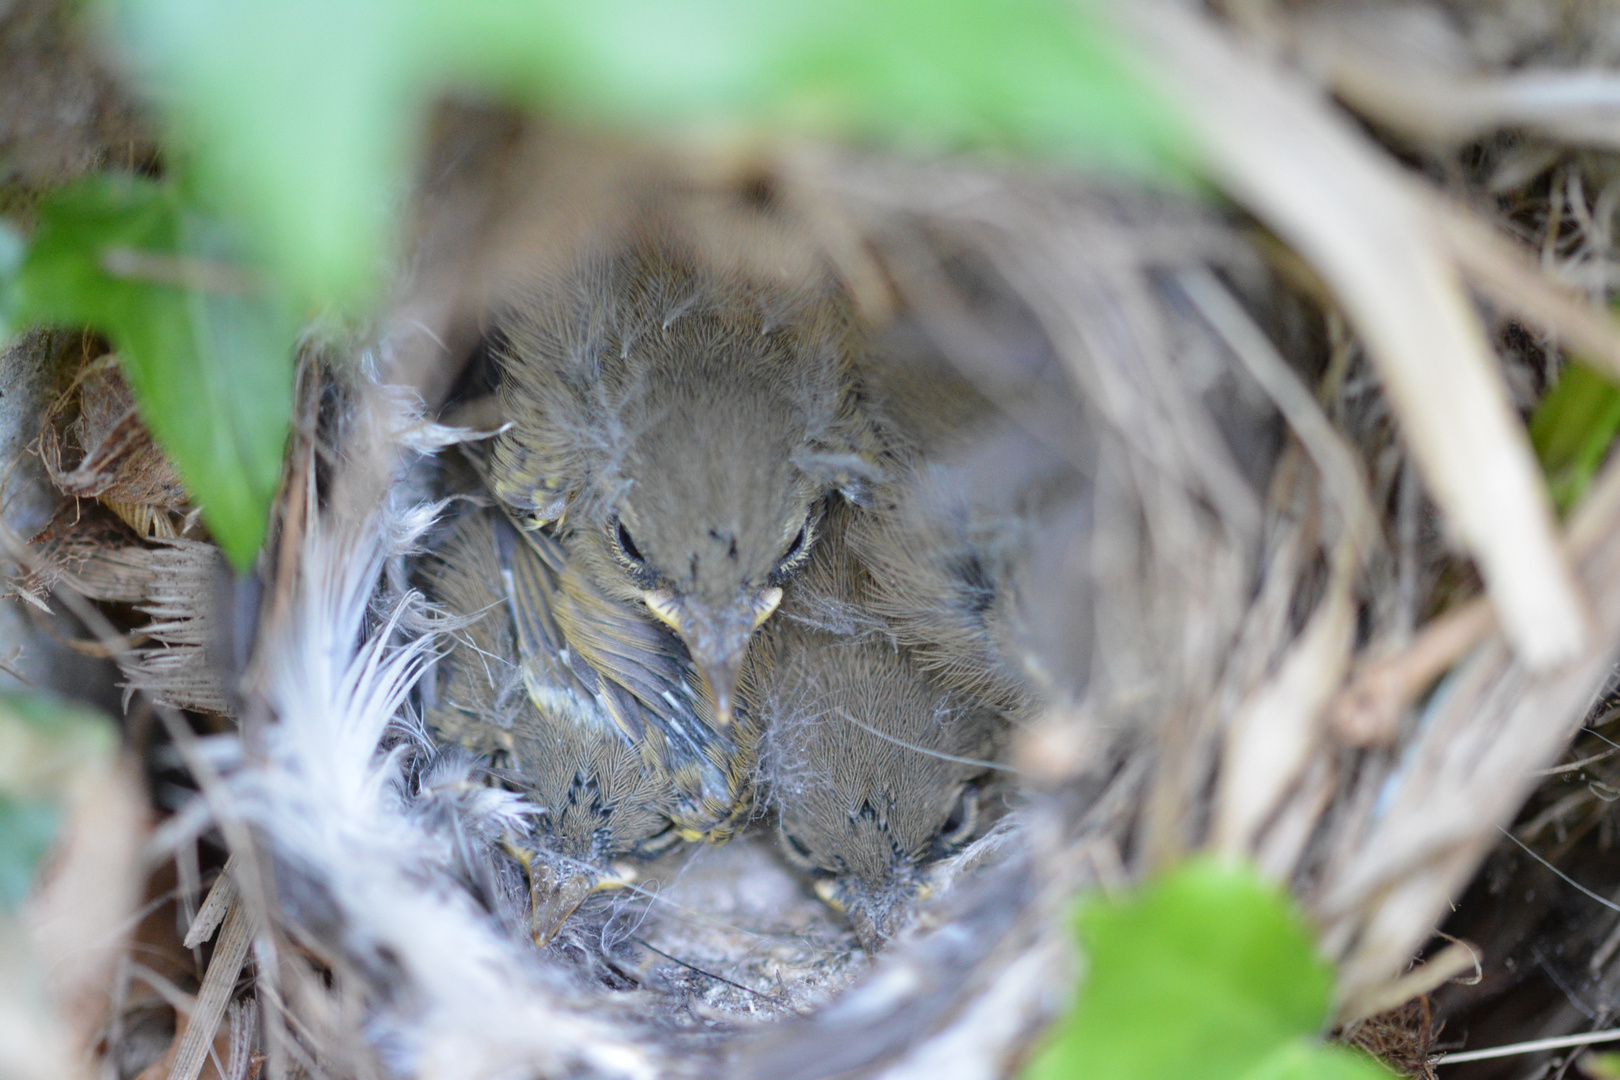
column 296, row 121
column 1600, row 1066
column 301, row 114
column 206, row 349
column 13, row 249
column 27, row 831
column 1572, row 430
column 47, row 748
column 1209, row 973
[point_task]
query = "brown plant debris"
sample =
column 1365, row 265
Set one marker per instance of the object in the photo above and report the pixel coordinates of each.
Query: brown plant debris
column 106, row 453
column 1402, row 1038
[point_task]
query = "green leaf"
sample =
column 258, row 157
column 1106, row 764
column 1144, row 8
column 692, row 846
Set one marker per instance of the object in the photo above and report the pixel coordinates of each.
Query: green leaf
column 1208, row 974
column 45, row 741
column 299, row 115
column 46, row 747
column 27, row 831
column 206, row 351
column 1306, row 1059
column 1572, row 430
column 295, row 116
column 12, row 249
column 1600, row 1066
column 1037, row 75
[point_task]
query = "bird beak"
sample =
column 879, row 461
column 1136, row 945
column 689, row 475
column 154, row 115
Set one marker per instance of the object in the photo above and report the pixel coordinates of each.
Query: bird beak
column 721, row 669
column 873, row 926
column 831, row 893
column 717, row 637
column 765, row 604
column 556, row 893
column 876, row 914
column 718, row 641
column 664, row 606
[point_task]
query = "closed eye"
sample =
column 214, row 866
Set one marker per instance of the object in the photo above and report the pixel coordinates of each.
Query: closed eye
column 797, row 853
column 627, row 544
column 961, row 823
column 797, row 552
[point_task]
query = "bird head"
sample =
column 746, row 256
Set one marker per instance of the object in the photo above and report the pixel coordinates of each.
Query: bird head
column 598, row 805
column 862, row 866
column 558, row 886
column 718, row 518
column 875, row 776
column 679, row 430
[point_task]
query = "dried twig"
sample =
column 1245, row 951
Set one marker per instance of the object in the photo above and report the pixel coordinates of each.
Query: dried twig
column 1366, row 710
column 219, row 984
column 220, row 900
column 1343, row 204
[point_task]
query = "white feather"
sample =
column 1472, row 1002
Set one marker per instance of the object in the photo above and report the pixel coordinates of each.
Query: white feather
column 330, row 794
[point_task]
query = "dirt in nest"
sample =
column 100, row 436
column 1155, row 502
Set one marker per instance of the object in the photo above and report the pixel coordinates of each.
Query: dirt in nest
column 737, row 935
column 1402, row 1038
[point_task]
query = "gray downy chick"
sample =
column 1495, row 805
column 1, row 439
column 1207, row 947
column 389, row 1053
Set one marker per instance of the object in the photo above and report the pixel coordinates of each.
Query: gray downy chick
column 977, row 540
column 674, row 422
column 875, row 770
column 602, row 801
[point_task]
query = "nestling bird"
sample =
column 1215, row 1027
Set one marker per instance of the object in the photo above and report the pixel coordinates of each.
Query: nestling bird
column 603, row 797
column 590, row 660
column 675, row 424
column 875, row 770
column 976, row 540
column 1020, row 519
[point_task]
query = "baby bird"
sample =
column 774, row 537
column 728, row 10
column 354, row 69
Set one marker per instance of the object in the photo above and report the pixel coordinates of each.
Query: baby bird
column 875, row 771
column 979, row 563
column 976, row 539
column 675, row 425
column 590, row 661
column 602, row 799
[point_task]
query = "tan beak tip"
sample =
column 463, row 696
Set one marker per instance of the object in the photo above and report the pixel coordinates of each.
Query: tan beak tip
column 662, row 604
column 767, row 603
column 827, row 890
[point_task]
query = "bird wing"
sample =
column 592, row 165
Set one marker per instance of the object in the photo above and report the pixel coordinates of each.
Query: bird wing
column 558, row 679
column 575, row 639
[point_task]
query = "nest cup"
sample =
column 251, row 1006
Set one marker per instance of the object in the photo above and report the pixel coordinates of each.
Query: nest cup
column 719, row 958
column 1256, row 639
column 1211, row 546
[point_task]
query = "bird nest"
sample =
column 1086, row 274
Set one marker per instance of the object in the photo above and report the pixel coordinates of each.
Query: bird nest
column 1264, row 636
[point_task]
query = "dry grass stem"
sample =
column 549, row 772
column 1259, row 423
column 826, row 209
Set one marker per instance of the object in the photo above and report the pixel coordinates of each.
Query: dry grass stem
column 1270, row 740
column 1509, row 277
column 221, row 898
column 1424, row 978
column 1343, row 205
column 1367, row 709
column 219, row 984
column 1405, row 69
column 1489, row 728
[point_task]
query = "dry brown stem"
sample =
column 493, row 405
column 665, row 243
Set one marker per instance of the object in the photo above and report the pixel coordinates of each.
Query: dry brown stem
column 1367, row 709
column 1344, row 206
